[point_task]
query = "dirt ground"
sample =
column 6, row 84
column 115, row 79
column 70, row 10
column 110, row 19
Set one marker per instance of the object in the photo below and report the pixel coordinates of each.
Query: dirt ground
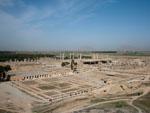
column 13, row 100
column 118, row 87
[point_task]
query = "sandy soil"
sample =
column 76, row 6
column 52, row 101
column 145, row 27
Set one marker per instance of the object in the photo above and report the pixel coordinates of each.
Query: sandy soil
column 14, row 100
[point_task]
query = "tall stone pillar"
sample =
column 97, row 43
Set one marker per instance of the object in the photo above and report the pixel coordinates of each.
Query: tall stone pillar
column 80, row 56
column 73, row 56
column 60, row 56
column 70, row 55
column 63, row 56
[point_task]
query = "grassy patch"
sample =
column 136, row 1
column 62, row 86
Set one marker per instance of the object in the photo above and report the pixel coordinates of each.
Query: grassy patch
column 96, row 100
column 120, row 104
column 46, row 87
column 51, row 93
column 68, row 90
column 64, row 85
column 143, row 103
column 112, row 107
column 51, row 79
column 29, row 82
column 5, row 111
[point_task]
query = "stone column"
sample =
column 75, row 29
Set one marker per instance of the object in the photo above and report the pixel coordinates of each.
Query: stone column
column 73, row 56
column 60, row 56
column 70, row 55
column 63, row 56
column 80, row 56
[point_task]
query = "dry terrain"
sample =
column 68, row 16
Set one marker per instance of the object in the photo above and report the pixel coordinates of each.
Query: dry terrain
column 116, row 84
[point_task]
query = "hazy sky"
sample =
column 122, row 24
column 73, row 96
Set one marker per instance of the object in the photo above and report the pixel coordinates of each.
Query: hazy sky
column 74, row 24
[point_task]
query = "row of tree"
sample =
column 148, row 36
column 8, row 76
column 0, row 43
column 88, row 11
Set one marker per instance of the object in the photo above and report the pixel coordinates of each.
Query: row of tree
column 5, row 68
column 3, row 75
column 22, row 57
